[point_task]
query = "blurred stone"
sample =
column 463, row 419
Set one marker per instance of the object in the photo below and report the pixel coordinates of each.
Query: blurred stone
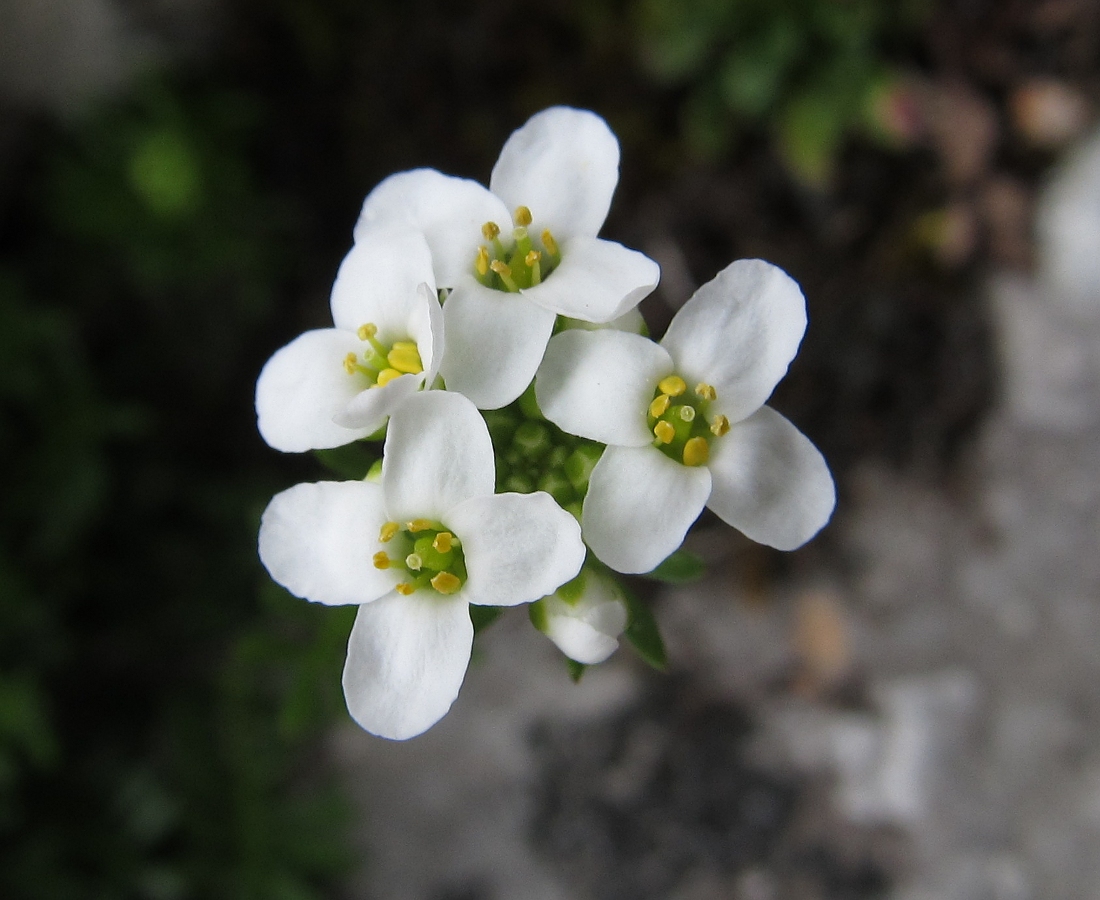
column 1047, row 112
column 1068, row 225
column 962, row 126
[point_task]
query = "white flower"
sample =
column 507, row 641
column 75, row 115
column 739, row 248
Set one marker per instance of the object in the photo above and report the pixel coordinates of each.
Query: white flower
column 584, row 617
column 332, row 386
column 415, row 550
column 522, row 252
column 686, row 425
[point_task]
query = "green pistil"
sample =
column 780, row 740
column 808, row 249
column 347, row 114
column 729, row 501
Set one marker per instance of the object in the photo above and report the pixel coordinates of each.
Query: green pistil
column 427, row 552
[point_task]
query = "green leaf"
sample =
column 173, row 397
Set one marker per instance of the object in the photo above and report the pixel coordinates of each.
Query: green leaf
column 484, row 616
column 576, row 669
column 642, row 632
column 351, row 461
column 680, row 567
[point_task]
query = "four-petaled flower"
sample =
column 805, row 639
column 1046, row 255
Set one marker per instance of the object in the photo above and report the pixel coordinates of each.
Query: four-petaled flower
column 414, row 551
column 332, row 386
column 521, row 253
column 685, row 423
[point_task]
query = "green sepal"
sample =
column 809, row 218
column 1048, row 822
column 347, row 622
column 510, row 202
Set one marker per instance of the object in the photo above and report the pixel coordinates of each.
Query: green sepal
column 576, row 669
column 679, row 567
column 352, row 461
column 642, row 632
column 484, row 616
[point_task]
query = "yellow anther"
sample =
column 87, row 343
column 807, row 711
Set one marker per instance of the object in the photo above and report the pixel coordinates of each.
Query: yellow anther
column 414, row 562
column 482, row 261
column 664, row 432
column 719, row 426
column 443, row 542
column 388, row 532
column 687, row 413
column 418, row 525
column 446, row 583
column 705, row 391
column 501, row 268
column 550, row 244
column 531, row 258
column 522, row 216
column 405, row 588
column 405, row 357
column 659, row 405
column 490, row 230
column 351, row 363
column 696, row 451
column 381, row 560
column 673, row 385
column 386, row 376
column 367, row 331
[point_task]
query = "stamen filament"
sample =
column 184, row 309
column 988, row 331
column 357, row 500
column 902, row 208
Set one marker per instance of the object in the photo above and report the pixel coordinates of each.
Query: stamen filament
column 532, row 261
column 505, row 272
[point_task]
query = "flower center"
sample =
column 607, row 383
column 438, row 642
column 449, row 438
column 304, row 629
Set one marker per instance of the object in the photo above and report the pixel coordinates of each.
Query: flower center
column 381, row 364
column 516, row 263
column 679, row 421
column 430, row 555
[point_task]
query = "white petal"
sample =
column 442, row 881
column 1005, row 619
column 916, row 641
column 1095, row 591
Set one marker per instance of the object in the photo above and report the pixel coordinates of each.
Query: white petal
column 563, row 164
column 495, row 343
column 379, row 282
column 303, row 387
column 770, row 482
column 318, row 541
column 640, row 505
column 448, row 211
column 599, row 384
column 369, row 409
column 407, row 657
column 588, row 630
column 739, row 333
column 426, row 328
column 596, row 281
column 437, row 454
column 518, row 547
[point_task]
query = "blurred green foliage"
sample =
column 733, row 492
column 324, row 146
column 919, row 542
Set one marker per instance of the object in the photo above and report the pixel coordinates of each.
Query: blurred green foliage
column 160, row 698
column 809, row 71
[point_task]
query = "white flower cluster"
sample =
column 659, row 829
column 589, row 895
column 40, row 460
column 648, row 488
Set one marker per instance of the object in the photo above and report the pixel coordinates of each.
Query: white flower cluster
column 535, row 442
